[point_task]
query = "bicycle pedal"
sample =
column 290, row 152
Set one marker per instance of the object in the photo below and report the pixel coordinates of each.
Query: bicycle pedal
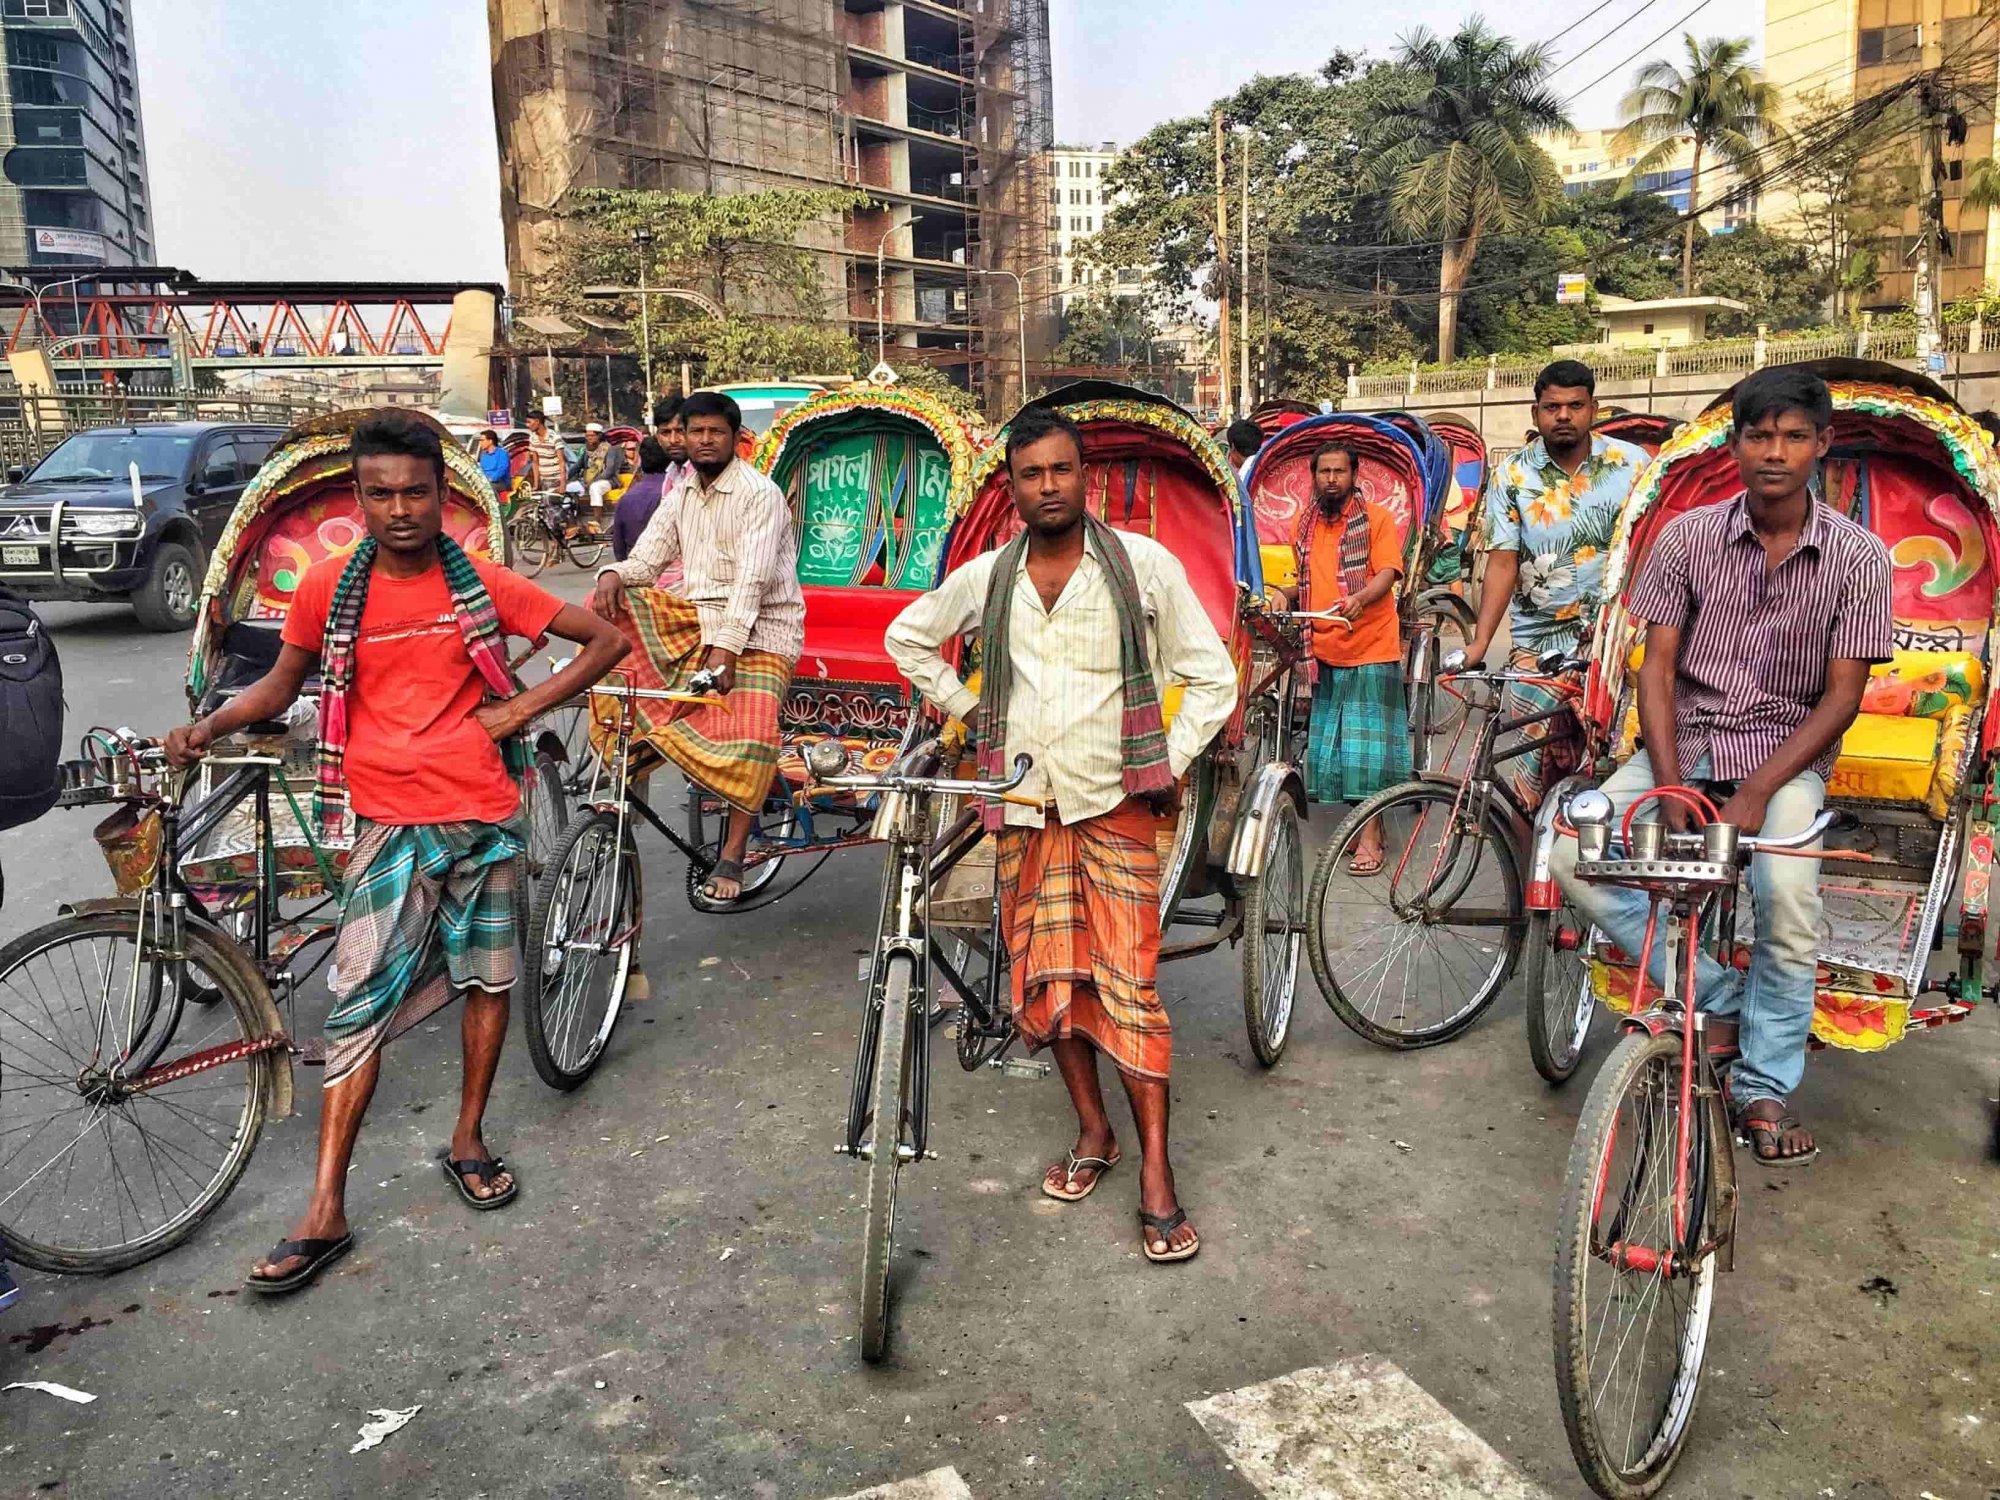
column 1021, row 1067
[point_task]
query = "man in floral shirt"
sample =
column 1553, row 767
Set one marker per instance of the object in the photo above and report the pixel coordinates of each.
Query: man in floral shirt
column 1548, row 515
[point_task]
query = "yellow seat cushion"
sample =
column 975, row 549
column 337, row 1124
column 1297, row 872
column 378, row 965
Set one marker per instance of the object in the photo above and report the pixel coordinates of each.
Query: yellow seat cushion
column 1886, row 759
column 1281, row 565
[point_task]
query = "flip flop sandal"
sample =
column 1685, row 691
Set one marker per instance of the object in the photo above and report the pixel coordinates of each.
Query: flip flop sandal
column 485, row 1171
column 1164, row 1226
column 319, row 1255
column 1773, row 1132
column 1361, row 870
column 723, row 869
column 1069, row 1192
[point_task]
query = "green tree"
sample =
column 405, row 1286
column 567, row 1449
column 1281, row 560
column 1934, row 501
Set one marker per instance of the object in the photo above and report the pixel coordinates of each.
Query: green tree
column 1104, row 331
column 1458, row 155
column 1718, row 103
column 1850, row 192
column 746, row 252
column 1774, row 273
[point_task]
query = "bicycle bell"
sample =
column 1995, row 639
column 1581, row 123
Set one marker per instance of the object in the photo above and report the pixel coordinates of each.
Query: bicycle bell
column 826, row 759
column 1453, row 662
column 1590, row 813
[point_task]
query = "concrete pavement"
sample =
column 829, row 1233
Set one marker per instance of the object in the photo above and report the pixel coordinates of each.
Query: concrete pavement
column 668, row 1309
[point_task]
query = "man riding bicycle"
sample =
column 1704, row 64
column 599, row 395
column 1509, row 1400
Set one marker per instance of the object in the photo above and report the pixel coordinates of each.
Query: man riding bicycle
column 1763, row 616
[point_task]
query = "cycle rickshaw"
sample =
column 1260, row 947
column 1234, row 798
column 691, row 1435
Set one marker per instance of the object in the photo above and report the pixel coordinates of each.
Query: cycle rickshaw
column 1643, row 429
column 1231, row 861
column 1650, row 1198
column 1404, row 471
column 159, row 1029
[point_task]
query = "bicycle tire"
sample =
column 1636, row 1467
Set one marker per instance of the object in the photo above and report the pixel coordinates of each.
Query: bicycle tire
column 1558, row 1002
column 1642, row 1067
column 230, row 977
column 588, row 554
column 533, row 545
column 892, row 1070
column 554, row 986
column 1271, row 965
column 1394, row 1027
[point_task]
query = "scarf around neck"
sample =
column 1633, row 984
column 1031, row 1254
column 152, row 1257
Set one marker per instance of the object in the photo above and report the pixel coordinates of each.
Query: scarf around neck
column 1142, row 734
column 485, row 643
column 1353, row 547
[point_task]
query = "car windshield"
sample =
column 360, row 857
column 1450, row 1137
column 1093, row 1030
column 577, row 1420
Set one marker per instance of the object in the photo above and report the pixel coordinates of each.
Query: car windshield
column 109, row 453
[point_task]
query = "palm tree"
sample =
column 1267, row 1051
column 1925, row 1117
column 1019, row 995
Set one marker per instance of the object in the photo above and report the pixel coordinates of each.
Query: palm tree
column 1457, row 152
column 1718, row 102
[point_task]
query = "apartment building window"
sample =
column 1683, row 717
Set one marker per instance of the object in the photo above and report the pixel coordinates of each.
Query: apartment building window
column 1089, row 198
column 35, row 10
column 1887, row 46
column 1055, row 195
column 1088, row 167
column 1090, row 223
column 1076, row 169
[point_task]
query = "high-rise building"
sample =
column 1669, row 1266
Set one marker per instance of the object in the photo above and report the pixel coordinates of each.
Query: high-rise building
column 1845, row 51
column 938, row 109
column 72, row 148
column 1594, row 158
column 1077, row 203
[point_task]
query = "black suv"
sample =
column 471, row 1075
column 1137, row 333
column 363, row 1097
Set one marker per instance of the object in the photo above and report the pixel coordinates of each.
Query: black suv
column 70, row 530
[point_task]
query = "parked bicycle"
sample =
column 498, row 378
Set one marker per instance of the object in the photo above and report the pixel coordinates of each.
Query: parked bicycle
column 1411, row 954
column 551, row 526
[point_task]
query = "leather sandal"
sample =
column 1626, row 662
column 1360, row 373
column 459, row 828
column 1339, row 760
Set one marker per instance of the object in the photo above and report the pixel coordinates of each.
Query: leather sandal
column 1767, row 1138
column 319, row 1255
column 457, row 1171
column 1164, row 1226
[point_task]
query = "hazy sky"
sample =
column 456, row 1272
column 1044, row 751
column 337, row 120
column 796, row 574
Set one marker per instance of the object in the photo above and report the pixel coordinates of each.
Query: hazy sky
column 323, row 139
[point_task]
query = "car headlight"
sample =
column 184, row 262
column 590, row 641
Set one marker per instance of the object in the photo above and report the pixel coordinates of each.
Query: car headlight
column 104, row 523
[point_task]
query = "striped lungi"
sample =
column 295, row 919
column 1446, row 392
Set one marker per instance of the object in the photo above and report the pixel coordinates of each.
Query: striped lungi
column 1080, row 904
column 1560, row 740
column 427, row 911
column 730, row 749
column 1359, row 742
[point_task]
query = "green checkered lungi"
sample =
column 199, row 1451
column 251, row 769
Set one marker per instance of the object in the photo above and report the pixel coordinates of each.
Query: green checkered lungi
column 427, row 911
column 1359, row 740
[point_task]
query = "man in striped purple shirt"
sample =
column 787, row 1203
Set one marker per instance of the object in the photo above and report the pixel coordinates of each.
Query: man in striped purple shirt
column 1763, row 615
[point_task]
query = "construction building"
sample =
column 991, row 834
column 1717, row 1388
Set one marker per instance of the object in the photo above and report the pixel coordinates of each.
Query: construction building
column 938, row 109
column 1077, row 204
column 1844, row 51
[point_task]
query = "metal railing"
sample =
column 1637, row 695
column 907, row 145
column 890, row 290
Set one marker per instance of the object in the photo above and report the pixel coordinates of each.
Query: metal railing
column 31, row 425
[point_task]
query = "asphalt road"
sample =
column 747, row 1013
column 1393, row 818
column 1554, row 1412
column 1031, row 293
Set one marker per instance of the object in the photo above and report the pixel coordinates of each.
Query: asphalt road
column 668, row 1310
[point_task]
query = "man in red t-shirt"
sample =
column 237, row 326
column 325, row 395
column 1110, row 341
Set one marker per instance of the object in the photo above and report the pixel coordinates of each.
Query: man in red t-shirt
column 416, row 707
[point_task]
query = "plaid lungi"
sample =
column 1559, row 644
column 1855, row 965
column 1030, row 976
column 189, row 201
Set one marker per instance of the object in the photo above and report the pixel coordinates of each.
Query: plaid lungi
column 1080, row 904
column 427, row 911
column 1359, row 741
column 730, row 749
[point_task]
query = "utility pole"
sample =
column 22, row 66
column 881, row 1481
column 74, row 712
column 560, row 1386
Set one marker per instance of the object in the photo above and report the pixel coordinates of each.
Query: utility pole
column 1930, row 195
column 1222, row 259
column 1243, row 278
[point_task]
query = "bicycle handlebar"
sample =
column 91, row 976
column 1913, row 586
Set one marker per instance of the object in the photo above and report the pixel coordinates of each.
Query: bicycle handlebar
column 945, row 785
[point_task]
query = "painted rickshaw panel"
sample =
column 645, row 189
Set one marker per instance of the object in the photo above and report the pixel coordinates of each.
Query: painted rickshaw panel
column 1393, row 476
column 1918, row 472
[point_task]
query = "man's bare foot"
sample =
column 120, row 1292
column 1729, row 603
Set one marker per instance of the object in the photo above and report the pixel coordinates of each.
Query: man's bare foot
column 1776, row 1136
column 1158, row 1200
column 317, row 1224
column 1071, row 1185
column 471, row 1147
column 725, row 881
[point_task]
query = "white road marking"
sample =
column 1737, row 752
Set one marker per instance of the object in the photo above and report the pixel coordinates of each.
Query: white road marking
column 1358, row 1430
column 939, row 1484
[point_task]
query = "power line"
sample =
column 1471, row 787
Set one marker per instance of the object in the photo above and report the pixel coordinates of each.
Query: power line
column 1603, row 37
column 1631, row 57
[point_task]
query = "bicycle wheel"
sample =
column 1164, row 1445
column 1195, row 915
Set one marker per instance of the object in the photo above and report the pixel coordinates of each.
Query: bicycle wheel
column 98, row 1173
column 563, row 734
column 1410, row 956
column 1631, row 1320
column 533, row 545
column 1273, row 935
column 545, row 801
column 776, row 825
column 586, row 548
column 1555, row 975
column 583, row 936
column 886, row 1108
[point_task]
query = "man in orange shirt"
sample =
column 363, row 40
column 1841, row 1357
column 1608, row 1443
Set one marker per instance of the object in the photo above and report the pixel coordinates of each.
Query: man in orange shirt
column 1350, row 556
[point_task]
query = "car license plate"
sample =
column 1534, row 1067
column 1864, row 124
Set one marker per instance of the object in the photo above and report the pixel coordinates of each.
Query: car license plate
column 21, row 557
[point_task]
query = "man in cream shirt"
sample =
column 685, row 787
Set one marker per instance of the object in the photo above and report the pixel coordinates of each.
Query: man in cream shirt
column 1081, row 628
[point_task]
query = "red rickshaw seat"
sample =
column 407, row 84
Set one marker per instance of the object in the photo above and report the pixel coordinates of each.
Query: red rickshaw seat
column 844, row 631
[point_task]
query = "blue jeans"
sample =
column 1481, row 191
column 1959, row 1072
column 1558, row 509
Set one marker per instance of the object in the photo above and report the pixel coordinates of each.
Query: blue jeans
column 1773, row 1003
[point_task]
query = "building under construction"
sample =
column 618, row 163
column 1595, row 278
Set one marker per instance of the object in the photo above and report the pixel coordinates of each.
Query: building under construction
column 938, row 109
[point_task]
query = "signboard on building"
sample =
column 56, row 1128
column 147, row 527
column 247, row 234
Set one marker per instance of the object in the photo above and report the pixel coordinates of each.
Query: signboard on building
column 500, row 416
column 1572, row 287
column 69, row 242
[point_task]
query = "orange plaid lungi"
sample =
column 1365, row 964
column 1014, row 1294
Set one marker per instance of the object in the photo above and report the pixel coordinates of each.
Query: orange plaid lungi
column 1080, row 904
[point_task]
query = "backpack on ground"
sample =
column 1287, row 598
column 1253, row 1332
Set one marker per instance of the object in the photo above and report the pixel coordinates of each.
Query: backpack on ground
column 31, row 714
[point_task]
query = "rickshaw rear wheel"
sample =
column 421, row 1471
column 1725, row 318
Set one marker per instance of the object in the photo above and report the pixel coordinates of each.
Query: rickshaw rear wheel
column 1628, row 1417
column 1559, row 1003
column 1432, row 980
column 574, row 997
column 532, row 544
column 1274, row 936
column 885, row 1130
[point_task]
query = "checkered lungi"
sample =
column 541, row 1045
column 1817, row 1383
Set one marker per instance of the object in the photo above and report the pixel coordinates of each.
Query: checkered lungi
column 1359, row 740
column 427, row 910
column 732, row 748
column 1080, row 905
column 1559, row 741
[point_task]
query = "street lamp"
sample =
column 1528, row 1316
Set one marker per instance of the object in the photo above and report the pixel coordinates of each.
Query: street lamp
column 1020, row 314
column 880, row 246
column 643, row 292
column 642, row 237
